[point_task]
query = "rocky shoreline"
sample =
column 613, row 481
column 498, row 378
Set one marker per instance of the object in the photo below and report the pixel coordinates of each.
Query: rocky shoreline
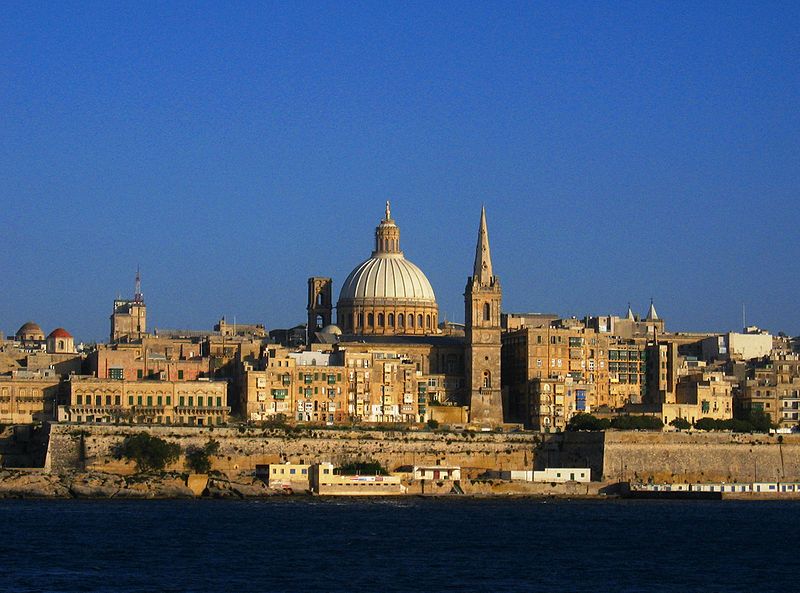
column 98, row 485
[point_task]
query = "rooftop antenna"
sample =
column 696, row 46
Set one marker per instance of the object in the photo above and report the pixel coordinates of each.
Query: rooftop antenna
column 137, row 294
column 744, row 319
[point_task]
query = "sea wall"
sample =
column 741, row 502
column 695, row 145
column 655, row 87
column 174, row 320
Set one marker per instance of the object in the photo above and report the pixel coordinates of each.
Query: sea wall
column 93, row 447
column 676, row 457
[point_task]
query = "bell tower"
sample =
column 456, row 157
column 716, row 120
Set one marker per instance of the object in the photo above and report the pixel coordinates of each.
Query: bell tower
column 482, row 301
column 320, row 303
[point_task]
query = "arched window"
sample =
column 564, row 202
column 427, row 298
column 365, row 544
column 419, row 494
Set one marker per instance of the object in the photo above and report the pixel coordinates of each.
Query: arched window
column 419, row 321
column 401, row 320
column 61, row 344
column 428, row 321
column 411, row 320
column 391, row 319
column 360, row 320
column 319, row 299
column 487, row 312
column 487, row 379
column 380, row 319
column 370, row 320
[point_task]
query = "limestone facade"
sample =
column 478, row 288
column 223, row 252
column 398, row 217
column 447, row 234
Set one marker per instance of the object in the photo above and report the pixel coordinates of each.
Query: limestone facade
column 192, row 403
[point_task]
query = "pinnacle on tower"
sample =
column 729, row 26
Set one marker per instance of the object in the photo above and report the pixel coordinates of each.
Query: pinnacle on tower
column 651, row 312
column 482, row 272
column 630, row 315
column 388, row 212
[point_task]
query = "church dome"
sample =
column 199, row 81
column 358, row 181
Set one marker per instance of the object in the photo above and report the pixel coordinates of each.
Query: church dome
column 59, row 332
column 332, row 330
column 387, row 276
column 387, row 294
column 30, row 331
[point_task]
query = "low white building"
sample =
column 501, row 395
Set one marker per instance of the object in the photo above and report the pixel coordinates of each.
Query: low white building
column 563, row 474
column 437, row 472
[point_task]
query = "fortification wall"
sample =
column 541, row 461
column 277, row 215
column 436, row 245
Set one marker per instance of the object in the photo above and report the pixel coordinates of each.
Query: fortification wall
column 701, row 457
column 93, row 447
column 672, row 457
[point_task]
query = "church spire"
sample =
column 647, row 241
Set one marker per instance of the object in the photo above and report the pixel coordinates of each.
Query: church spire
column 630, row 315
column 482, row 272
column 651, row 313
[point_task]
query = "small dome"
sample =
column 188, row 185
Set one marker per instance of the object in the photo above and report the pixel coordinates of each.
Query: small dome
column 29, row 331
column 333, row 330
column 59, row 332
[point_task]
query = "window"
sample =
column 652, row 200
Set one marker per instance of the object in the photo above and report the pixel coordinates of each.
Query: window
column 199, row 401
column 116, row 374
column 181, row 401
column 391, row 319
column 487, row 379
column 419, row 320
column 79, row 399
column 117, row 400
column 370, row 319
column 149, row 400
column 130, row 400
column 487, row 312
column 380, row 319
column 160, row 400
column 219, row 402
column 180, row 375
column 139, row 400
column 401, row 320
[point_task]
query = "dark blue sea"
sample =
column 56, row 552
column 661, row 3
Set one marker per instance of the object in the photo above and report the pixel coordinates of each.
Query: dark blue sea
column 420, row 545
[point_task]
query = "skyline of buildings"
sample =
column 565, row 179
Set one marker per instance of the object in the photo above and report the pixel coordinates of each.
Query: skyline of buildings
column 336, row 283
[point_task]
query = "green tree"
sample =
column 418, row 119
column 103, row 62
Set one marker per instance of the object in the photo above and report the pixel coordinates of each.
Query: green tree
column 584, row 421
column 198, row 459
column 370, row 468
column 681, row 424
column 706, row 424
column 433, row 424
column 150, row 453
column 628, row 422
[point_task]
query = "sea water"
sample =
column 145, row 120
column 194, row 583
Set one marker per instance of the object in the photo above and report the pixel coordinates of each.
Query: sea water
column 398, row 544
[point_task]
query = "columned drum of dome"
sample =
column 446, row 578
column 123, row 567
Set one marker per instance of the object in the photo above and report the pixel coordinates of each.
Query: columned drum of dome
column 387, row 294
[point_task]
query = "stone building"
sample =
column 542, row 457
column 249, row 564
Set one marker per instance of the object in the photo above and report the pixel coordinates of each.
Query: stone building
column 129, row 318
column 192, row 403
column 28, row 396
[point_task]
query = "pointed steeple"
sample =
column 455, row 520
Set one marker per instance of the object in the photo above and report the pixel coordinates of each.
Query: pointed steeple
column 651, row 312
column 482, row 272
column 630, row 315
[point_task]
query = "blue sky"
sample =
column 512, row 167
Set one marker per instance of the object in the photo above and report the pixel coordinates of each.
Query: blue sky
column 623, row 151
